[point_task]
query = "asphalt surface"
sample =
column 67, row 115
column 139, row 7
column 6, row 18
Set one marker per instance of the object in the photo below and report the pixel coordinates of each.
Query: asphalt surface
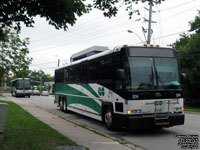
column 163, row 139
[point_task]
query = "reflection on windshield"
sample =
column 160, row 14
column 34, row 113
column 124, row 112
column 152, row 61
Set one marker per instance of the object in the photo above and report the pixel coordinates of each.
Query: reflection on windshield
column 23, row 84
column 150, row 73
column 167, row 72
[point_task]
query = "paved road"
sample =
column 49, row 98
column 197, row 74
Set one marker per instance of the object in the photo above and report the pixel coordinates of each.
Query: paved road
column 163, row 139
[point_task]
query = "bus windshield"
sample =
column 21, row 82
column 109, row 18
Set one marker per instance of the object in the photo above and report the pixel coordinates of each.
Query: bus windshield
column 151, row 73
column 21, row 84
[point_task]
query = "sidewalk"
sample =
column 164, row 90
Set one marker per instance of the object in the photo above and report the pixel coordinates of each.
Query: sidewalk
column 80, row 135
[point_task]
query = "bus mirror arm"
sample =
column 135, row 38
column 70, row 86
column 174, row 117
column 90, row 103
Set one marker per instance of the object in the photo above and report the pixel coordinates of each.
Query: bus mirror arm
column 121, row 75
column 183, row 78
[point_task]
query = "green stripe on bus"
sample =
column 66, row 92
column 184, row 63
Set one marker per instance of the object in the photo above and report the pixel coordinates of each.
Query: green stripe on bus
column 64, row 88
column 76, row 99
column 84, row 101
column 89, row 88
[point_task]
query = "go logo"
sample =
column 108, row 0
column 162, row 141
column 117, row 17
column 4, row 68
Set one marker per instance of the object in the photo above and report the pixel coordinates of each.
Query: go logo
column 101, row 91
column 158, row 103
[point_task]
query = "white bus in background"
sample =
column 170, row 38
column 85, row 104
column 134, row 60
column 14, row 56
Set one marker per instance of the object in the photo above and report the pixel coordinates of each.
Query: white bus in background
column 129, row 86
column 21, row 87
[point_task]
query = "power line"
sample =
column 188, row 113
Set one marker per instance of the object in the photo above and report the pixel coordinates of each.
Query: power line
column 167, row 36
column 87, row 36
column 180, row 12
column 85, row 26
column 173, row 7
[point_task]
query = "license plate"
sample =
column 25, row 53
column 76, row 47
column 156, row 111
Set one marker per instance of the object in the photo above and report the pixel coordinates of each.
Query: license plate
column 159, row 109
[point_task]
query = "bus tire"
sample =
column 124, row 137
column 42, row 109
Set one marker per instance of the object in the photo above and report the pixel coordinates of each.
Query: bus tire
column 16, row 94
column 108, row 120
column 65, row 106
column 61, row 105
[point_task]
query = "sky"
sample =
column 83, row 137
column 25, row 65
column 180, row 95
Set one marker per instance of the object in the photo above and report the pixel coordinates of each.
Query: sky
column 47, row 44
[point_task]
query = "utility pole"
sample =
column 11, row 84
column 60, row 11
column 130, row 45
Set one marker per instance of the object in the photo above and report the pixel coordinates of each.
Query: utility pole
column 149, row 26
column 58, row 62
column 149, row 31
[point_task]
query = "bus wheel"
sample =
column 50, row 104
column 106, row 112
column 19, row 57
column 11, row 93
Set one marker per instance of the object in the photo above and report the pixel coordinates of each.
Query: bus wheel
column 61, row 105
column 108, row 118
column 65, row 106
column 16, row 94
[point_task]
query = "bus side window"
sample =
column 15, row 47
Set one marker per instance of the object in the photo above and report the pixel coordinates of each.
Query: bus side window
column 117, row 65
column 92, row 71
column 66, row 75
column 84, row 74
column 59, row 76
column 77, row 74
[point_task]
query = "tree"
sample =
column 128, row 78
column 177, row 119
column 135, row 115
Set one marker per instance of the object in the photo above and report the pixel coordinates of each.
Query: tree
column 188, row 47
column 111, row 7
column 59, row 13
column 13, row 54
column 38, row 76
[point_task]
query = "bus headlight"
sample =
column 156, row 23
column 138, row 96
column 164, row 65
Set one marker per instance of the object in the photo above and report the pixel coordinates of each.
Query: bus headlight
column 178, row 109
column 137, row 111
column 19, row 91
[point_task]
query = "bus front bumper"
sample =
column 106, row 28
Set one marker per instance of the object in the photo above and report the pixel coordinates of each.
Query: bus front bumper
column 147, row 121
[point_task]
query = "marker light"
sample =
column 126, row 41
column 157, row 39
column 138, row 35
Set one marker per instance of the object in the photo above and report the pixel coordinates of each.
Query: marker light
column 125, row 45
column 145, row 45
column 151, row 45
column 157, row 45
column 182, row 108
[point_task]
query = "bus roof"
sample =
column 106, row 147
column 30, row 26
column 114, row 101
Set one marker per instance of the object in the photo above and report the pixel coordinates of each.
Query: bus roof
column 20, row 79
column 88, row 52
column 116, row 49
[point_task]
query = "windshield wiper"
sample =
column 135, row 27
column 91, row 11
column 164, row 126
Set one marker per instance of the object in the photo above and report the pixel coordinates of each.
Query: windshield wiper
column 151, row 77
column 158, row 79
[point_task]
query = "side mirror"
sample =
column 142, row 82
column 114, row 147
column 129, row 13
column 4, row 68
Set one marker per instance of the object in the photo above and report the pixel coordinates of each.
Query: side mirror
column 121, row 74
column 183, row 78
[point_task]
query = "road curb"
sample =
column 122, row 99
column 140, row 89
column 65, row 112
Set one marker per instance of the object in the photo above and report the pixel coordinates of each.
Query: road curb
column 194, row 113
column 121, row 142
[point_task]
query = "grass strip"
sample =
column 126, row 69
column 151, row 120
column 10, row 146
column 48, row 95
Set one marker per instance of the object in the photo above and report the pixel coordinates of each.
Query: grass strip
column 94, row 131
column 24, row 132
column 192, row 109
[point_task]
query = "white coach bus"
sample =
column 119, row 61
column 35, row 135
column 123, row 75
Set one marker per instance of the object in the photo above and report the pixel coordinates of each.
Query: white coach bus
column 129, row 86
column 21, row 87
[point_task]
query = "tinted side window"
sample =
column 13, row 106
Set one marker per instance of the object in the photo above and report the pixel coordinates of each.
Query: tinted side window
column 59, row 75
column 84, row 72
column 101, row 71
column 93, row 65
column 117, row 65
column 66, row 75
column 73, row 74
column 76, row 70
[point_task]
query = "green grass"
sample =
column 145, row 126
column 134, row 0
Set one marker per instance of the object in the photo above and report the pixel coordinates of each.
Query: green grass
column 192, row 109
column 24, row 132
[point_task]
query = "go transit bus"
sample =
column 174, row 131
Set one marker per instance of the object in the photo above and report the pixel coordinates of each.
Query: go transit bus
column 129, row 86
column 21, row 87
